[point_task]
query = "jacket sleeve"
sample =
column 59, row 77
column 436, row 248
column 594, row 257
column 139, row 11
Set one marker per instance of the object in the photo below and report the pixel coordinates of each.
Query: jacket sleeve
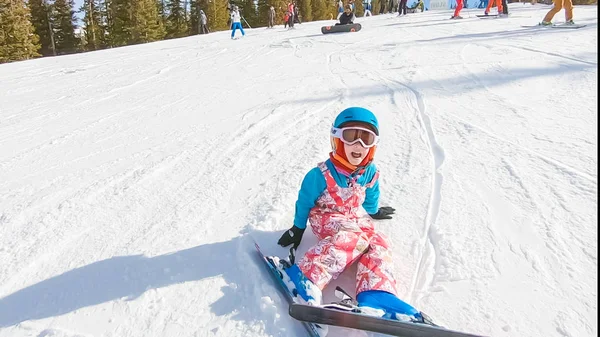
column 312, row 187
column 371, row 203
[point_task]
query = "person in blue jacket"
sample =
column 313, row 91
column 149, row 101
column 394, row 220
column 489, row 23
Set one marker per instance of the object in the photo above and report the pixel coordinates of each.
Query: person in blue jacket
column 340, row 199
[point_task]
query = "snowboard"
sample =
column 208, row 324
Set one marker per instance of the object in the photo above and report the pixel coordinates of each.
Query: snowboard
column 313, row 329
column 350, row 318
column 355, row 27
column 558, row 25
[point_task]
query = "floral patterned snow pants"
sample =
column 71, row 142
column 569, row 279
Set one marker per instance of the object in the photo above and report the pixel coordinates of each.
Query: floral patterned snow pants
column 346, row 234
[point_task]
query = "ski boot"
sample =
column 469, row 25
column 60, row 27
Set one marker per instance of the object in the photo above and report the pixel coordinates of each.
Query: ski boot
column 303, row 289
column 387, row 305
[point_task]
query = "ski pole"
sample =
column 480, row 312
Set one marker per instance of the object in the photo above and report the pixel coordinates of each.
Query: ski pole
column 246, row 22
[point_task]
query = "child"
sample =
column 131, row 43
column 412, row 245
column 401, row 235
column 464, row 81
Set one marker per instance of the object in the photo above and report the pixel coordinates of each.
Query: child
column 347, row 18
column 339, row 198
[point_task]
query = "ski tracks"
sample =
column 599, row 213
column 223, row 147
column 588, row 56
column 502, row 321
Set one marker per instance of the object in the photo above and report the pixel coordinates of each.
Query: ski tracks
column 423, row 277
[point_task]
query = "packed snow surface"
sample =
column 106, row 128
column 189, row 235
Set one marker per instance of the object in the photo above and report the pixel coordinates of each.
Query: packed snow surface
column 134, row 181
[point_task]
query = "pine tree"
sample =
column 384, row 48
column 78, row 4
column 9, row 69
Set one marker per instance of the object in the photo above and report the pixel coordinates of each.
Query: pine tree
column 40, row 20
column 147, row 24
column 359, row 9
column 63, row 22
column 162, row 11
column 176, row 22
column 321, row 9
column 375, row 6
column 105, row 20
column 94, row 26
column 119, row 17
column 262, row 9
column 194, row 17
column 18, row 40
column 248, row 12
column 305, row 8
column 217, row 14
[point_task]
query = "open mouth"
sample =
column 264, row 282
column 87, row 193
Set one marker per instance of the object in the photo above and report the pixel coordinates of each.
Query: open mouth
column 356, row 155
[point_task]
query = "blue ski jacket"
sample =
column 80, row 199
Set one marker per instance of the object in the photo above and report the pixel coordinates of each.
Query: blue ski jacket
column 314, row 184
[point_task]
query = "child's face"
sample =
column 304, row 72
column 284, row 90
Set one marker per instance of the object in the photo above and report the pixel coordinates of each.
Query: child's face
column 355, row 153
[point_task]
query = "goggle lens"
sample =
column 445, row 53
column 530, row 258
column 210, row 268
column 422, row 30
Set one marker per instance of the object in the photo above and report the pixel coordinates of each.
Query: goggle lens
column 352, row 135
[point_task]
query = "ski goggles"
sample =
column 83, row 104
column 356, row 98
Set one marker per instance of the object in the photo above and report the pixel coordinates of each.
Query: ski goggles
column 353, row 134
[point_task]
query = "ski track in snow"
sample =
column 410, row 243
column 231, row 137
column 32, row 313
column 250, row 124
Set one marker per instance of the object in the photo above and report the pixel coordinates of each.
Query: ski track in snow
column 423, row 275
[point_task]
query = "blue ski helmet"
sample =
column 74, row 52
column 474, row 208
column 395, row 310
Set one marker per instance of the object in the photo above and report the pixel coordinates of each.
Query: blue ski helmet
column 357, row 114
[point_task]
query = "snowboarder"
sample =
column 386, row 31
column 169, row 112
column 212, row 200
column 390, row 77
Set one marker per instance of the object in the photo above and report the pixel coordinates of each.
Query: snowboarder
column 236, row 22
column 340, row 199
column 558, row 5
column 347, row 18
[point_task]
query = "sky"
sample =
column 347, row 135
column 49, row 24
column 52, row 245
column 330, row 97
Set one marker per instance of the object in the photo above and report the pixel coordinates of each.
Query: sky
column 135, row 180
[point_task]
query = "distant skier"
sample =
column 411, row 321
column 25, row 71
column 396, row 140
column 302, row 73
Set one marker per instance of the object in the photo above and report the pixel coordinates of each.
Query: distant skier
column 459, row 7
column 203, row 28
column 347, row 18
column 402, row 7
column 236, row 22
column 291, row 15
column 296, row 13
column 271, row 22
column 367, row 6
column 492, row 3
column 340, row 199
column 286, row 19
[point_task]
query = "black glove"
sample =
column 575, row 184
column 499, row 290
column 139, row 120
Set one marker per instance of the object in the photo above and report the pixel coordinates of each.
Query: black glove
column 383, row 213
column 291, row 236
